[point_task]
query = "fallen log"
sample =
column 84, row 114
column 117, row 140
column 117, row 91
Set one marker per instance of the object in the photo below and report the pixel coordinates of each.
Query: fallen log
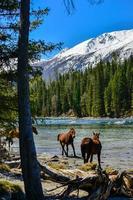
column 13, row 164
column 127, row 184
column 53, row 174
column 102, row 192
column 99, row 185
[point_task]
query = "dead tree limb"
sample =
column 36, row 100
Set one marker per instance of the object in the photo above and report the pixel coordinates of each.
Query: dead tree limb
column 99, row 185
column 53, row 175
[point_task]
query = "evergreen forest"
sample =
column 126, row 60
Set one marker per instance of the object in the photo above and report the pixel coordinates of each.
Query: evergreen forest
column 103, row 91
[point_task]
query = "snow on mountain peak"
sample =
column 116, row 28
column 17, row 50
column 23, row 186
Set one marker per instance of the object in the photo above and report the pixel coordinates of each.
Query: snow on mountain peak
column 89, row 52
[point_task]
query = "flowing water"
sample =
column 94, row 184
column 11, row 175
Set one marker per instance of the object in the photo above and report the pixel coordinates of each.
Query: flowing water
column 116, row 137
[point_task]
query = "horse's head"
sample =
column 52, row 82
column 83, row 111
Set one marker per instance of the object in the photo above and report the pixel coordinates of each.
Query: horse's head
column 34, row 129
column 73, row 132
column 96, row 136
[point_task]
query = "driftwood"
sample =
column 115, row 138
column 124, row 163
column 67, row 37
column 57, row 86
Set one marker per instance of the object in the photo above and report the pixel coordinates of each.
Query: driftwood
column 53, row 175
column 99, row 185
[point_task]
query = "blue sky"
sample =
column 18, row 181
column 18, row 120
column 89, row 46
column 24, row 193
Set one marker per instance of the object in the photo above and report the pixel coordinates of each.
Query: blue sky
column 85, row 21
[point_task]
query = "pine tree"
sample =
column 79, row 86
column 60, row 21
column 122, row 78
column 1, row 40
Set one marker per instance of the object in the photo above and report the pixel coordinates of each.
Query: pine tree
column 98, row 91
column 24, row 50
column 84, row 104
column 76, row 95
column 129, row 76
column 119, row 92
column 30, row 168
column 91, row 93
column 8, row 101
column 59, row 106
column 108, row 100
column 89, row 103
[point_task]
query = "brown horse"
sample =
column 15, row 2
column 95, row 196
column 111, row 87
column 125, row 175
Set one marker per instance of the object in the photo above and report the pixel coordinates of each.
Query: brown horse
column 67, row 139
column 14, row 133
column 91, row 146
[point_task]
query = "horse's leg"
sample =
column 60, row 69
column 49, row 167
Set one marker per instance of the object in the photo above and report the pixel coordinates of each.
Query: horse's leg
column 85, row 157
column 99, row 160
column 73, row 149
column 91, row 158
column 63, row 149
column 67, row 150
column 83, row 152
column 88, row 156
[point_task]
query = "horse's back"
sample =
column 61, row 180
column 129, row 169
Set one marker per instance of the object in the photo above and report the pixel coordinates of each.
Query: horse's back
column 86, row 141
column 65, row 138
column 61, row 137
column 86, row 145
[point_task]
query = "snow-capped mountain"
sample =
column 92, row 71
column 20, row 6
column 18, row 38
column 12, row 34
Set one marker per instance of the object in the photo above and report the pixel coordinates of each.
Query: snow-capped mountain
column 89, row 52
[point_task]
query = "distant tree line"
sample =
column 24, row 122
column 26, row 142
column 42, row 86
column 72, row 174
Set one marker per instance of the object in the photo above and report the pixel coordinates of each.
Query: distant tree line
column 106, row 90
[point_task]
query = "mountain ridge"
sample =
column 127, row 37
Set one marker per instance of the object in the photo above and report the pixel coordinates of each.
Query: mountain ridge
column 89, row 52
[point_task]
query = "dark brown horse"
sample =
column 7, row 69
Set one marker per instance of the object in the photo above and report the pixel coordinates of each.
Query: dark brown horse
column 67, row 139
column 91, row 146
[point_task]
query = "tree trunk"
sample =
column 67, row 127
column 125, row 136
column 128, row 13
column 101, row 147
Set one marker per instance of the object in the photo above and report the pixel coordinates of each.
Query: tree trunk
column 30, row 167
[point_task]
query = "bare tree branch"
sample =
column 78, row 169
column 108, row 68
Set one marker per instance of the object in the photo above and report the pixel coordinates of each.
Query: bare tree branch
column 69, row 4
column 95, row 1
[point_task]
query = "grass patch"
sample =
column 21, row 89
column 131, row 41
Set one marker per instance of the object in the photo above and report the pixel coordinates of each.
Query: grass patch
column 4, row 168
column 110, row 170
column 129, row 170
column 57, row 166
column 7, row 187
column 88, row 167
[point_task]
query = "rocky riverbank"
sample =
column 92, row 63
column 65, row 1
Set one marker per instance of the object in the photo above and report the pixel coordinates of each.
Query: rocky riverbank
column 54, row 171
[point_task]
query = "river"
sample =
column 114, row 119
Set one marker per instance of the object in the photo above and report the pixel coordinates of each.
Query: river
column 116, row 136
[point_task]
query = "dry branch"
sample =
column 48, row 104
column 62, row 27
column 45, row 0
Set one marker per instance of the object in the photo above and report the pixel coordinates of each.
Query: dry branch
column 99, row 185
column 53, row 175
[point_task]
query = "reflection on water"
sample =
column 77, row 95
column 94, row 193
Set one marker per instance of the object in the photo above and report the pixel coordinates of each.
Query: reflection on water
column 117, row 141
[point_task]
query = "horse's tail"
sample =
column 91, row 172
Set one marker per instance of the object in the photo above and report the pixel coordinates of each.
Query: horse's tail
column 58, row 137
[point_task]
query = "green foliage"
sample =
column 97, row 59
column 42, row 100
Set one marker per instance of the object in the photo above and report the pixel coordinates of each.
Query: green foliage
column 110, row 171
column 119, row 92
column 8, row 101
column 4, row 168
column 107, row 100
column 106, row 90
column 9, row 29
column 8, row 188
column 57, row 166
column 88, row 166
